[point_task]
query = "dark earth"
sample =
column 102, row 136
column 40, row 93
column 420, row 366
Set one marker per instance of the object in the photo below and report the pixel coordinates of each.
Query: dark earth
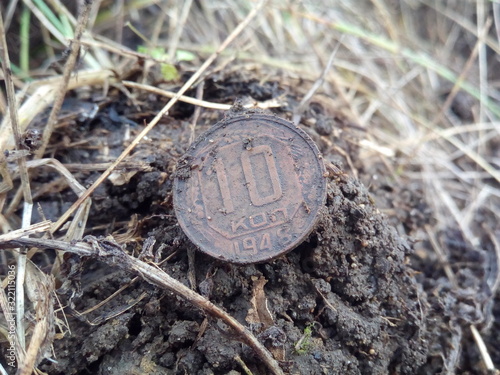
column 354, row 298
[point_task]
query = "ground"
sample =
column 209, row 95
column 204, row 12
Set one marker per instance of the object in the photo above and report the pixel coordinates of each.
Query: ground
column 352, row 299
column 381, row 285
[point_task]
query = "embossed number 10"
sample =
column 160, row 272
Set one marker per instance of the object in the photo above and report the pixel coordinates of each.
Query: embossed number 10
column 246, row 161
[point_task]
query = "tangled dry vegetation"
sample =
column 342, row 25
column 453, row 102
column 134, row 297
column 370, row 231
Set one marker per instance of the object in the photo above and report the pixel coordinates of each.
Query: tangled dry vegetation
column 418, row 80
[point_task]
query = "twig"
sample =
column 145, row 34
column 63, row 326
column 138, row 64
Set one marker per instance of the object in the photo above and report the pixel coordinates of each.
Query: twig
column 68, row 69
column 158, row 117
column 111, row 253
column 272, row 103
column 182, row 98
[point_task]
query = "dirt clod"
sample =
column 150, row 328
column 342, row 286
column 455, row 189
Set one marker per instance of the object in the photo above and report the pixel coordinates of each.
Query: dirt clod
column 345, row 301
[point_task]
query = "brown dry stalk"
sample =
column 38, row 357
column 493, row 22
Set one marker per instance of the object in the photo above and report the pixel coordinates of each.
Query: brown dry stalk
column 160, row 114
column 40, row 227
column 110, row 252
column 41, row 93
column 9, row 318
column 68, row 69
column 169, row 94
column 271, row 103
column 41, row 294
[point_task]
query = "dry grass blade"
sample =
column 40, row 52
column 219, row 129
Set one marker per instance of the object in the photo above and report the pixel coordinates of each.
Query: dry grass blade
column 463, row 74
column 197, row 111
column 43, row 19
column 10, row 13
column 483, row 27
column 183, row 98
column 78, row 224
column 483, row 350
column 77, row 188
column 272, row 103
column 496, row 15
column 307, row 98
column 40, row 290
column 40, row 227
column 6, row 183
column 10, row 319
column 42, row 94
column 174, row 41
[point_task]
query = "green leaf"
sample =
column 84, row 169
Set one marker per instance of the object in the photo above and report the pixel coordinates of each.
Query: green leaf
column 169, row 72
column 158, row 53
column 24, row 55
column 182, row 55
column 53, row 19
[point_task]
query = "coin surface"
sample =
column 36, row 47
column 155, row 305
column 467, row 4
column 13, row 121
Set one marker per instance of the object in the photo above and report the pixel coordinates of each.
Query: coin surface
column 250, row 188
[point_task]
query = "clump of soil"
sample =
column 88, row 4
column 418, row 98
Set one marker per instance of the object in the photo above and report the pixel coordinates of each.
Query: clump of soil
column 349, row 282
column 344, row 302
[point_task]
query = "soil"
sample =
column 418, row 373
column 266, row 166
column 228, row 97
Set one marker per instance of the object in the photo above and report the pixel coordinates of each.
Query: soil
column 355, row 298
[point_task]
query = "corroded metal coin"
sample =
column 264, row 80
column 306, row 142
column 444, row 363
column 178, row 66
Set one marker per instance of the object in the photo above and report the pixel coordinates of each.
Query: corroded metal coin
column 250, row 188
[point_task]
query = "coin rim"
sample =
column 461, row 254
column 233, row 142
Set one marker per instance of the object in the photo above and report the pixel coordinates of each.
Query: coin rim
column 190, row 153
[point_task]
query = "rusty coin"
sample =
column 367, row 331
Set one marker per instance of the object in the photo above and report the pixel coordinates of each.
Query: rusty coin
column 250, row 188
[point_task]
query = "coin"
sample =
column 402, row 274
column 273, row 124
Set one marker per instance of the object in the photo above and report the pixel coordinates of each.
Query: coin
column 250, row 188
